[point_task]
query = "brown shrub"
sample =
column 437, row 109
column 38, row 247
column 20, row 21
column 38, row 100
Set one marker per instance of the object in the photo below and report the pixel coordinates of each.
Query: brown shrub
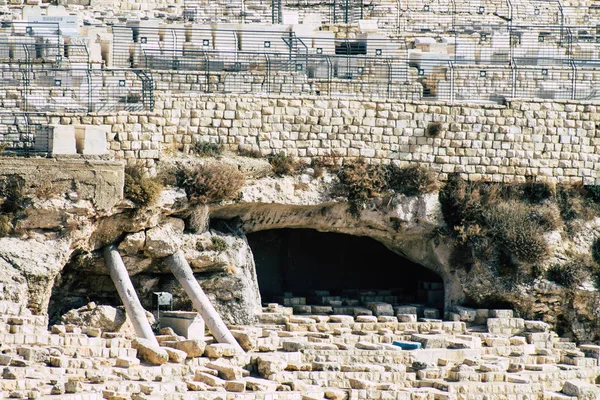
column 252, row 153
column 571, row 274
column 411, row 181
column 206, row 149
column 6, row 226
column 361, row 182
column 12, row 194
column 139, row 188
column 210, row 183
column 519, row 235
column 282, row 164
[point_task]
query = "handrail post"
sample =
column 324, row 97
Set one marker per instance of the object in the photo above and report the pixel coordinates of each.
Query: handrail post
column 573, row 80
column 451, row 81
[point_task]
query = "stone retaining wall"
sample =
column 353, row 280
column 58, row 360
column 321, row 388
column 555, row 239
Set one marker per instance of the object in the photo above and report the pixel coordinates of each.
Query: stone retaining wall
column 555, row 141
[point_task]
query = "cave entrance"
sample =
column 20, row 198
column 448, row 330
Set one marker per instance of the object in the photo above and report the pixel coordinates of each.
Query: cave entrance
column 297, row 267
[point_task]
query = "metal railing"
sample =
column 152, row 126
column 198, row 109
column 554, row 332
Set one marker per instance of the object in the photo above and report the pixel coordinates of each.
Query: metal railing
column 400, row 15
column 24, row 134
column 36, row 88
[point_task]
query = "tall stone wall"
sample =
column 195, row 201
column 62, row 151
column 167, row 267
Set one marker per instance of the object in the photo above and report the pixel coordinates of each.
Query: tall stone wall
column 553, row 141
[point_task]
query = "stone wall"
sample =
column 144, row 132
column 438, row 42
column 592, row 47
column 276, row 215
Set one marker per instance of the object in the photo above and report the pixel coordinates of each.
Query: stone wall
column 98, row 181
column 555, row 141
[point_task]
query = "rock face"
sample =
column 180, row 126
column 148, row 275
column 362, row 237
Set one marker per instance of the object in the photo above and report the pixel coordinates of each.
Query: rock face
column 34, row 264
column 56, row 259
column 106, row 318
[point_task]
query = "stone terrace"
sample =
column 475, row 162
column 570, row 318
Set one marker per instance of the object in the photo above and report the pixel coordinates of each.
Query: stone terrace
column 476, row 354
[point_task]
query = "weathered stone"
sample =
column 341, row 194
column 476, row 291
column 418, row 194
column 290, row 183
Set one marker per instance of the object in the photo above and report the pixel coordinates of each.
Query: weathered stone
column 192, row 347
column 269, row 365
column 149, row 352
column 217, row 350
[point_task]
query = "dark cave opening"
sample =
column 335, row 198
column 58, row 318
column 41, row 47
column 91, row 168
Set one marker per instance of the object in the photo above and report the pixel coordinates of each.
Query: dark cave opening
column 351, row 269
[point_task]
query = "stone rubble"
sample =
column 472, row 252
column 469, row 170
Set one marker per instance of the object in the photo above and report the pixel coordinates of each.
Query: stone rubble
column 474, row 354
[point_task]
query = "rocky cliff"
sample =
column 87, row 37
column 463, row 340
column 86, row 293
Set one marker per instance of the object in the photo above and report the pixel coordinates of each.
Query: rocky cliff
column 51, row 261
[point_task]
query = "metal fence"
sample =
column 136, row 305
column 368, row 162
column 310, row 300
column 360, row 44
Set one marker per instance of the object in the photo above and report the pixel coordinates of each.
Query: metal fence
column 399, row 15
column 24, row 134
column 272, row 11
column 33, row 87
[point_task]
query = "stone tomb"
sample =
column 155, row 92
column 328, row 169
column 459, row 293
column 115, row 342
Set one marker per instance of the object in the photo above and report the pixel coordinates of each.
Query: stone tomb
column 184, row 323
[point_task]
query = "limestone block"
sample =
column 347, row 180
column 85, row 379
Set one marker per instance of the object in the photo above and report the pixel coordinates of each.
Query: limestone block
column 429, row 341
column 187, row 324
column 466, row 314
column 226, row 370
column 192, row 347
column 269, row 365
column 176, row 356
column 208, row 379
column 217, row 350
column 236, row 386
column 379, row 308
column 91, row 139
column 63, row 140
column 149, row 352
column 581, row 389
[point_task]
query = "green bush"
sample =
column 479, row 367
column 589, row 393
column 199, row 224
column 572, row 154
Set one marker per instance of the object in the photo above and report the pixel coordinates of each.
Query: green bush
column 139, row 188
column 593, row 192
column 210, row 183
column 218, row 244
column 282, row 164
column 411, row 181
column 206, row 149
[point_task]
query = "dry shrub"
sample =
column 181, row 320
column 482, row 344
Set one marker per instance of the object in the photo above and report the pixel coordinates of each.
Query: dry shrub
column 537, row 192
column 210, row 183
column 571, row 274
column 282, row 164
column 206, row 149
column 139, row 188
column 198, row 219
column 6, row 226
column 433, row 129
column 465, row 202
column 12, row 194
column 252, row 153
column 412, row 180
column 575, row 202
column 519, row 235
column 494, row 228
column 361, row 182
column 596, row 251
column 331, row 162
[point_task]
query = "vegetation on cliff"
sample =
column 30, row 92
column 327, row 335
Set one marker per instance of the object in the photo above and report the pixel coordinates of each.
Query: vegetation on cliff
column 361, row 181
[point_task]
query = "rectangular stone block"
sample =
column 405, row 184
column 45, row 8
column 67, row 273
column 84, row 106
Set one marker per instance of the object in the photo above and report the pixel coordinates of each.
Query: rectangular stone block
column 184, row 323
column 62, row 140
column 91, row 139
